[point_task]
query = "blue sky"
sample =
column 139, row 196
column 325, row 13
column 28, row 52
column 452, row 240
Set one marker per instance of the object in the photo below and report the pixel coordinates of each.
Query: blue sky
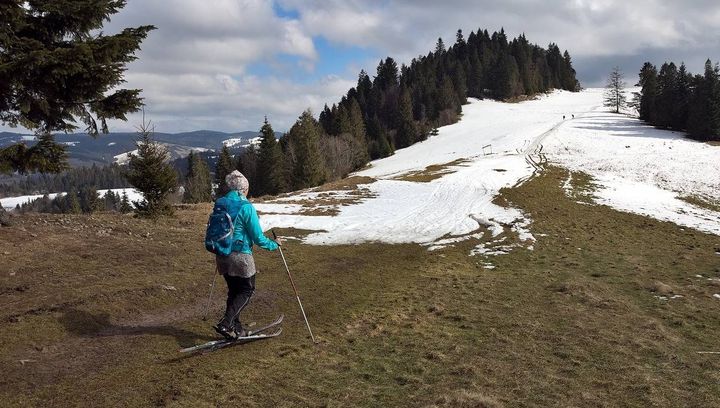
column 333, row 60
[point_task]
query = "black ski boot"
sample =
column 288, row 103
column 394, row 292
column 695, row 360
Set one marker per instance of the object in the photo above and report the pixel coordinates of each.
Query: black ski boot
column 225, row 331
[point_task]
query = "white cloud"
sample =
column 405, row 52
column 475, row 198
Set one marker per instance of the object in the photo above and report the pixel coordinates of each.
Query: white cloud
column 194, row 68
column 222, row 102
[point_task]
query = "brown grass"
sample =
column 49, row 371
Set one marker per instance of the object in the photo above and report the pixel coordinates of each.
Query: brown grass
column 431, row 172
column 702, row 202
column 327, row 203
column 86, row 320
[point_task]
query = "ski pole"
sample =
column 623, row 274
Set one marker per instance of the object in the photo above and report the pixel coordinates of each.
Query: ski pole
column 295, row 289
column 207, row 308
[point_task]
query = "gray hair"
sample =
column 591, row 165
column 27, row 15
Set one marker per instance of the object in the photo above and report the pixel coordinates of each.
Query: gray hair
column 236, row 181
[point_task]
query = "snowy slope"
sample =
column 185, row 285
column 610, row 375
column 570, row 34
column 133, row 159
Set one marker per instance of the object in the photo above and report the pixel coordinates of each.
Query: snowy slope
column 492, row 139
column 174, row 152
column 641, row 169
column 638, row 169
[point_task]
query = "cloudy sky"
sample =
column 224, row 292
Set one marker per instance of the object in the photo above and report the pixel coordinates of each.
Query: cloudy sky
column 224, row 64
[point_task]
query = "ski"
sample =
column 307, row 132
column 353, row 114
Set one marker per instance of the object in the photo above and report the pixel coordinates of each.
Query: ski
column 252, row 335
column 218, row 344
column 267, row 326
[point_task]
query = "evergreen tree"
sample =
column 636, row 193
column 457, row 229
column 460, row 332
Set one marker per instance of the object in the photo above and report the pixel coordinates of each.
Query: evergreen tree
column 125, row 206
column 475, row 76
column 89, row 200
column 460, row 85
column 447, row 99
column 459, row 39
column 326, row 120
column 110, row 201
column 149, row 172
column 223, row 167
column 681, row 100
column 440, row 47
column 4, row 218
column 247, row 164
column 614, row 96
column 667, row 92
column 379, row 145
column 567, row 74
column 269, row 165
column 308, row 170
column 407, row 131
column 364, row 89
column 59, row 67
column 648, row 92
column 387, row 74
column 198, row 185
column 704, row 117
column 355, row 128
column 507, row 83
column 72, row 204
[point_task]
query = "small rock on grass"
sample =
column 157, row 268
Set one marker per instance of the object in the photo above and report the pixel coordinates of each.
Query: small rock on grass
column 661, row 288
column 716, row 296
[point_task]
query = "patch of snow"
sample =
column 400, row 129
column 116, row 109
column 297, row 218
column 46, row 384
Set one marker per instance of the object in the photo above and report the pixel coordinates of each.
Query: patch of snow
column 27, row 138
column 444, row 243
column 11, row 202
column 278, row 208
column 71, row 144
column 111, row 144
column 241, row 142
column 567, row 185
column 133, row 194
column 647, row 199
column 124, row 158
column 640, row 169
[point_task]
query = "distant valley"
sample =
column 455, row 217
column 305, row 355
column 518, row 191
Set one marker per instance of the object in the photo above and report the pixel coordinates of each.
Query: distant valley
column 85, row 150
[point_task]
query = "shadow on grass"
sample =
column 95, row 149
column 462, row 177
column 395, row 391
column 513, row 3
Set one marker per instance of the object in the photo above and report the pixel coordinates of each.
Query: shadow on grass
column 86, row 324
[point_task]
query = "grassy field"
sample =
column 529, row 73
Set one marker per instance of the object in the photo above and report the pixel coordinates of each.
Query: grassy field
column 94, row 310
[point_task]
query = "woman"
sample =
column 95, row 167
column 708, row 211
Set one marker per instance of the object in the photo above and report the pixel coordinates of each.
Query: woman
column 238, row 268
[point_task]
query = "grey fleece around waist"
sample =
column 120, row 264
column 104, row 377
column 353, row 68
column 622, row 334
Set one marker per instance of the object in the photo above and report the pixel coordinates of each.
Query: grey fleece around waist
column 236, row 264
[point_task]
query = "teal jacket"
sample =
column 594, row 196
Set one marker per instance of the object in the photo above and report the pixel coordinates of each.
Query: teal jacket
column 247, row 225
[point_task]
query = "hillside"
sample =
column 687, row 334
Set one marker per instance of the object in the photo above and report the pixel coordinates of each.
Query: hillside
column 85, row 150
column 492, row 265
column 445, row 187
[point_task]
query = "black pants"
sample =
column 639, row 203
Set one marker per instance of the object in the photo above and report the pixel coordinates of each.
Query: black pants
column 240, row 290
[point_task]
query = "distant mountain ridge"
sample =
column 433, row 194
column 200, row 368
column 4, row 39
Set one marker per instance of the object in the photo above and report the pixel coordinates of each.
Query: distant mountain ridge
column 86, row 150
